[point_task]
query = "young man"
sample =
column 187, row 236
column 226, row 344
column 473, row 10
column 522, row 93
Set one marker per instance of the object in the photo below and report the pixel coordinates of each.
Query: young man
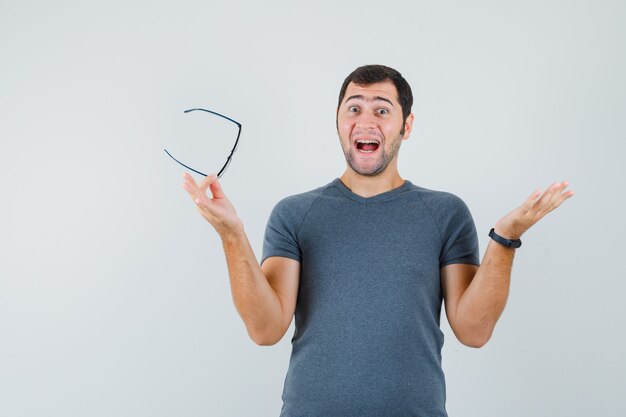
column 365, row 262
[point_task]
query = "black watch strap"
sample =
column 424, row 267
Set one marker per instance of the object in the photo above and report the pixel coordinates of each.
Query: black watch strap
column 509, row 243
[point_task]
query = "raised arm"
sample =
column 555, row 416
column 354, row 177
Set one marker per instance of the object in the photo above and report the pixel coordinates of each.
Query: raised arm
column 475, row 296
column 265, row 297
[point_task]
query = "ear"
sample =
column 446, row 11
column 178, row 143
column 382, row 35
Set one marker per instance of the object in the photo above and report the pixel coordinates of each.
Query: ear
column 408, row 125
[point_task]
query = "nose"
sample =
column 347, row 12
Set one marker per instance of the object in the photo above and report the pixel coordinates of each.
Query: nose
column 366, row 121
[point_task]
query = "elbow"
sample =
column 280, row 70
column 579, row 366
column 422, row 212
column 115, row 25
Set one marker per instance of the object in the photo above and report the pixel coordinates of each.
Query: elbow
column 265, row 342
column 475, row 343
column 266, row 334
column 473, row 333
column 475, row 340
column 265, row 339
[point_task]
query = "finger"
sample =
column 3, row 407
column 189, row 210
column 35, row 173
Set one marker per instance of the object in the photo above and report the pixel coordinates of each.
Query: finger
column 551, row 194
column 204, row 207
column 548, row 194
column 189, row 184
column 207, row 181
column 544, row 203
column 556, row 195
column 189, row 179
column 191, row 187
column 556, row 199
column 216, row 189
column 561, row 198
column 531, row 200
column 203, row 203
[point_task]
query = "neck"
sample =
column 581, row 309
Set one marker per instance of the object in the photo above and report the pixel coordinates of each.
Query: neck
column 367, row 186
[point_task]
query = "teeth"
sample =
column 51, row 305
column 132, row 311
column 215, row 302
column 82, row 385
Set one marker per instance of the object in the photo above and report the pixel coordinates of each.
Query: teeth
column 367, row 141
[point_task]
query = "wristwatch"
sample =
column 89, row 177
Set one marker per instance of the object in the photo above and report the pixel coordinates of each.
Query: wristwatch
column 509, row 243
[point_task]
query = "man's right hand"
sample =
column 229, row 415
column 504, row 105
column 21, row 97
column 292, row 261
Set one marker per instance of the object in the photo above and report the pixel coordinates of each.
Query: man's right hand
column 218, row 210
column 265, row 297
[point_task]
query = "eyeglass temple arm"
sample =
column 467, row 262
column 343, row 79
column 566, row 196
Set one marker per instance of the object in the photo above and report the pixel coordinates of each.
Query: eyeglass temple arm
column 217, row 114
column 186, row 166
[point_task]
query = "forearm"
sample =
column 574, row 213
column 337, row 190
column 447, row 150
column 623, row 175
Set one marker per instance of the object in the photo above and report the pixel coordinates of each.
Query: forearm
column 255, row 300
column 483, row 301
column 475, row 304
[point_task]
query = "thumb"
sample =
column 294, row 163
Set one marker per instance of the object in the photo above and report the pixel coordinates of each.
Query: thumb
column 216, row 189
column 206, row 182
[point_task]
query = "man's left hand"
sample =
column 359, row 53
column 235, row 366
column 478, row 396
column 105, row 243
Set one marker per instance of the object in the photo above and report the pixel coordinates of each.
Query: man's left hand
column 514, row 224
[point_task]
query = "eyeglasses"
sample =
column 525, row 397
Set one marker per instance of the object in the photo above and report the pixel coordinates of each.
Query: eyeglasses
column 230, row 157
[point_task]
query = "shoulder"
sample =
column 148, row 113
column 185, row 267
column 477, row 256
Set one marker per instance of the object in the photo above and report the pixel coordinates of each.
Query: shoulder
column 439, row 202
column 296, row 206
column 301, row 201
column 447, row 210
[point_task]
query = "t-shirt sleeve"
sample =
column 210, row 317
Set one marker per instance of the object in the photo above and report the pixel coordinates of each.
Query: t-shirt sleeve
column 280, row 233
column 458, row 234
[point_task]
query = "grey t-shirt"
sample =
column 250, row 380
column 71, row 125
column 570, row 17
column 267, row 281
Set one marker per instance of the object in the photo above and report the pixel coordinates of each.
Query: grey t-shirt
column 367, row 340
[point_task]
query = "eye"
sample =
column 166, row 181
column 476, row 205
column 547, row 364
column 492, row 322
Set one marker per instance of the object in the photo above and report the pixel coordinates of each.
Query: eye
column 353, row 109
column 383, row 111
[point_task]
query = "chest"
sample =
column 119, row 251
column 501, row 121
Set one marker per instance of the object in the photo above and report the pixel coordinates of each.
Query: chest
column 383, row 248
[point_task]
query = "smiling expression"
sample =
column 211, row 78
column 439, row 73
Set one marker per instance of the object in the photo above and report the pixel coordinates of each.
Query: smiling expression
column 370, row 127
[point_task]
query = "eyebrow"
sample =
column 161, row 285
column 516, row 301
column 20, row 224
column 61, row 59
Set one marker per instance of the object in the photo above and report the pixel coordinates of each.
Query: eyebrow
column 377, row 98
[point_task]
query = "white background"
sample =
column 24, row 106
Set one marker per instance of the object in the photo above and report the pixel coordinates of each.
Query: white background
column 114, row 294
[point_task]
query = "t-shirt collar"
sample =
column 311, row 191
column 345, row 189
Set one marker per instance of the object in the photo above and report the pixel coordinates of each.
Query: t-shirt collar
column 373, row 199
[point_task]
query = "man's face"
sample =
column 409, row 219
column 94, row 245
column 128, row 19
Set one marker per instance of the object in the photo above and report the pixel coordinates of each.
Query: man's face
column 369, row 123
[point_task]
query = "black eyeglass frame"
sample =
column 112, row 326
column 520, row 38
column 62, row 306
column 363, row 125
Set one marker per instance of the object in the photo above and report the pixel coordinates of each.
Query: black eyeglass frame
column 230, row 157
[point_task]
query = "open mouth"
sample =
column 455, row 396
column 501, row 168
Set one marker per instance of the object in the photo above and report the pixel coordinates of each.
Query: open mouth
column 366, row 146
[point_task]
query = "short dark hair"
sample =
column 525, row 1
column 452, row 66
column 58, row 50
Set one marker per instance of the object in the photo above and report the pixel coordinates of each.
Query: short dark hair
column 371, row 74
